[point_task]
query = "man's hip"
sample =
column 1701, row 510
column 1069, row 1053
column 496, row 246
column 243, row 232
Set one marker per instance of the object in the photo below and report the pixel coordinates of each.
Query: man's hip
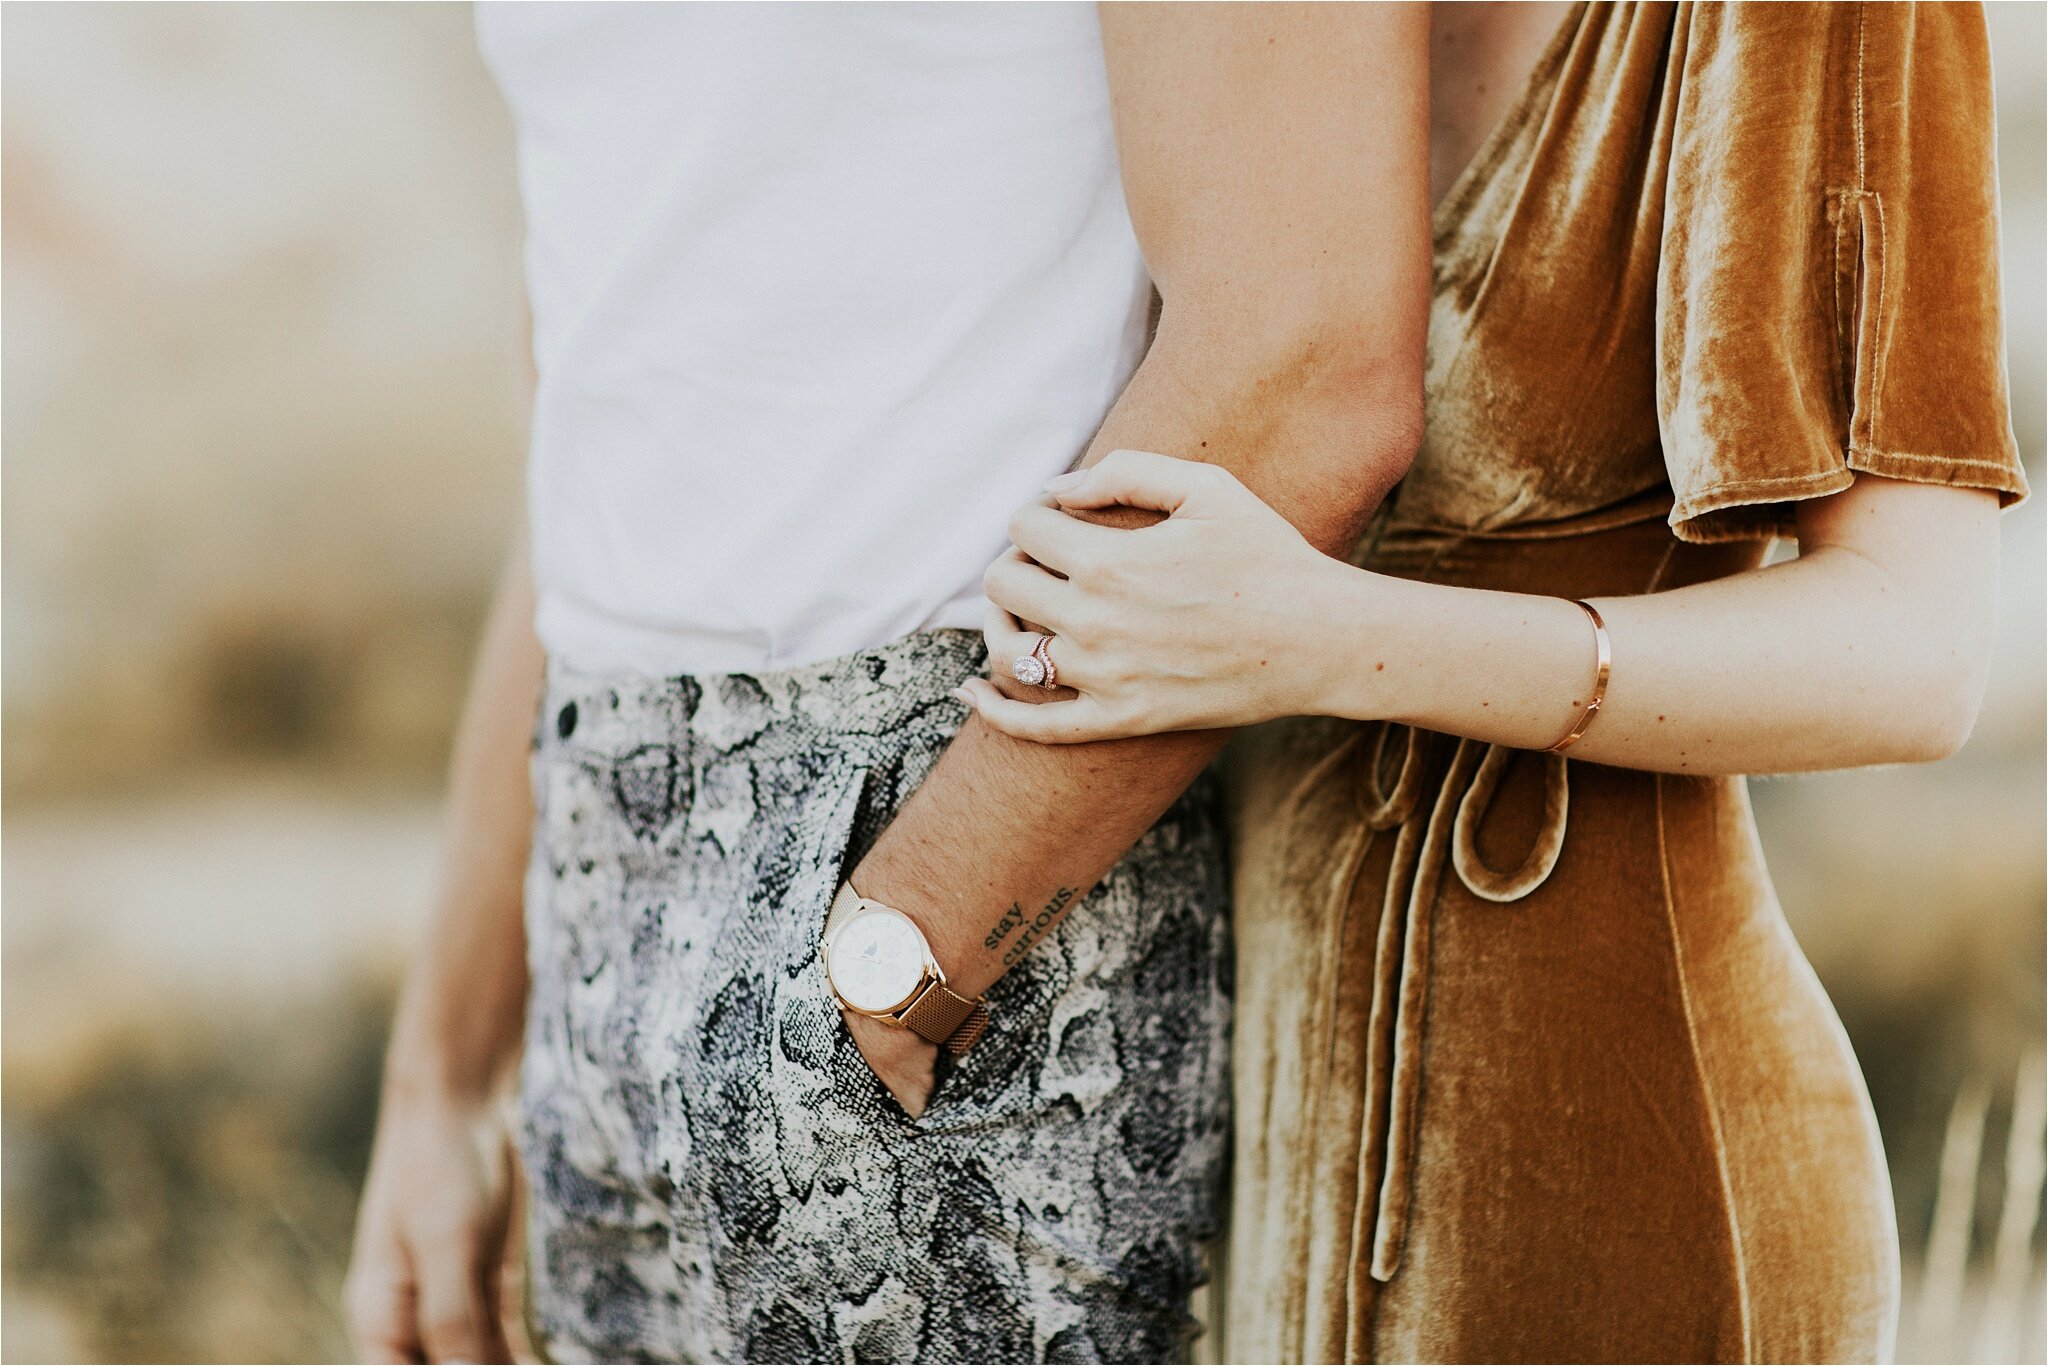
column 688, row 1076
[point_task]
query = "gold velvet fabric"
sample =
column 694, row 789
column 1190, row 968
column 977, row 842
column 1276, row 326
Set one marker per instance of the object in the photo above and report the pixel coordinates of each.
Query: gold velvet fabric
column 1528, row 1065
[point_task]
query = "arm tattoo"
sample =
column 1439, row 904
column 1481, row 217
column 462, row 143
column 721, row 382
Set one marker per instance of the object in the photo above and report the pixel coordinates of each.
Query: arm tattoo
column 1012, row 918
column 1033, row 930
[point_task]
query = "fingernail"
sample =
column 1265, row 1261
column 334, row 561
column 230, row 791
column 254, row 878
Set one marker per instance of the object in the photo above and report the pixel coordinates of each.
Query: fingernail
column 964, row 694
column 1061, row 483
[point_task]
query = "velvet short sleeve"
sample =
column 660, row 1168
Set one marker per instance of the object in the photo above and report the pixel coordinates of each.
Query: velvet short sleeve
column 1828, row 294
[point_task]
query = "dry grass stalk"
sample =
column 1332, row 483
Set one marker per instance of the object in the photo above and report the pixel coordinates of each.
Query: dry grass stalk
column 1955, row 1200
column 2003, row 1322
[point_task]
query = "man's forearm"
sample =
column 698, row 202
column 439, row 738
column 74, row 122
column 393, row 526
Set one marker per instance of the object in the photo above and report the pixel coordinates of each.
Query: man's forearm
column 461, row 1015
column 1004, row 837
column 1274, row 161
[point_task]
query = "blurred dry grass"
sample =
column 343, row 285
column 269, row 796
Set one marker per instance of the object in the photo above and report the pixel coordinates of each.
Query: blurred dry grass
column 261, row 459
column 191, row 1198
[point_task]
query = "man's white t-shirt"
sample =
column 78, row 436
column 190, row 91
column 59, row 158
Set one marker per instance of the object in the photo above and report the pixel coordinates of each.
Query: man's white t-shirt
column 821, row 293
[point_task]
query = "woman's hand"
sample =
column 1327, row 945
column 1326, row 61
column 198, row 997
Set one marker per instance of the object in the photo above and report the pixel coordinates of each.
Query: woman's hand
column 1216, row 617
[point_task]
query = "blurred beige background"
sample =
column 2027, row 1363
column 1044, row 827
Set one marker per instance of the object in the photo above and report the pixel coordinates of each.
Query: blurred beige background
column 261, row 457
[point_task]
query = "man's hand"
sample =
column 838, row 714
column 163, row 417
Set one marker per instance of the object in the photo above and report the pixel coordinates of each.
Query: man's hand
column 905, row 1062
column 423, row 1282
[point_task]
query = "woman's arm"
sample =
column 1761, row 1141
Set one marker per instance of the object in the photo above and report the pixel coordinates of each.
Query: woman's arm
column 1871, row 647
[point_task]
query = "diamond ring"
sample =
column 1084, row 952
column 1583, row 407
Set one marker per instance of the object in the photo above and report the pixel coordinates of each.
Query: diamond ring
column 1036, row 669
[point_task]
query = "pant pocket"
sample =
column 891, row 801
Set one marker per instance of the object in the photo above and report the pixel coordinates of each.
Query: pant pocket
column 822, row 1084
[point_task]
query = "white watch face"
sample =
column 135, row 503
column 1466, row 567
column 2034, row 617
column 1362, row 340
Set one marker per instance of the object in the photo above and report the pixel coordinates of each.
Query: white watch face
column 876, row 960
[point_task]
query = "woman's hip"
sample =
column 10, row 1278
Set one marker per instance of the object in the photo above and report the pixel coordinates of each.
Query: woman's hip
column 1535, row 1025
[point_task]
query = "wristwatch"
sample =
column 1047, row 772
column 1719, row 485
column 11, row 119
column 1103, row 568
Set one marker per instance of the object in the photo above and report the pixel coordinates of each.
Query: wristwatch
column 879, row 964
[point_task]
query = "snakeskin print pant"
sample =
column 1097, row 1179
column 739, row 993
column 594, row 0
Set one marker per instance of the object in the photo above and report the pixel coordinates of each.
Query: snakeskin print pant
column 715, row 1173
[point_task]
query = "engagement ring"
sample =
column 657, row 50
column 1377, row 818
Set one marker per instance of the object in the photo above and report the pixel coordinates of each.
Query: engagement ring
column 1036, row 669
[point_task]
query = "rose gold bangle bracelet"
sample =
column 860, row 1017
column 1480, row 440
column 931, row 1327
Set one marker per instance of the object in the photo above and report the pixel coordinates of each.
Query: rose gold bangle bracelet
column 1605, row 651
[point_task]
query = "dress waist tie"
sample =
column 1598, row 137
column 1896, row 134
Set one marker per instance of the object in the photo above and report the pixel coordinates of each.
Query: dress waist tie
column 1428, row 835
column 1635, row 554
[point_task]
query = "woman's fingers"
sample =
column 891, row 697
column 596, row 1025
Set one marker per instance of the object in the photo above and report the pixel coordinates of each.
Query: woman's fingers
column 1047, row 723
column 1063, row 544
column 1006, row 637
column 1026, row 590
column 1009, row 640
column 1139, row 479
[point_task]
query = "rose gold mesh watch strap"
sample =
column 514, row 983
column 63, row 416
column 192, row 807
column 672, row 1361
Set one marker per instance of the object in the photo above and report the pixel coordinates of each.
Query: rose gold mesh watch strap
column 946, row 1018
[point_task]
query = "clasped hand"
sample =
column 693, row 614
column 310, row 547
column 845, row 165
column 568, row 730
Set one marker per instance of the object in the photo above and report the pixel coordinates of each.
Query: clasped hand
column 1205, row 620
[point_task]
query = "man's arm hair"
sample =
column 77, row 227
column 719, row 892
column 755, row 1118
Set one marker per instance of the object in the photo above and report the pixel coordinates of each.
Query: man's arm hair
column 1275, row 160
